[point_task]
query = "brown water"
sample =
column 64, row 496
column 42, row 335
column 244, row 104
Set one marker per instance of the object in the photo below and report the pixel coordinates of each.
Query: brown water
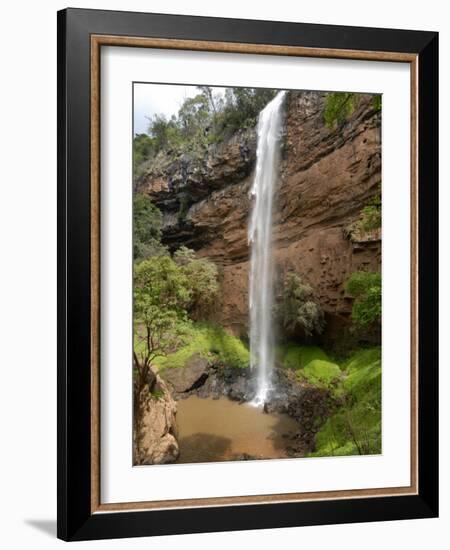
column 212, row 430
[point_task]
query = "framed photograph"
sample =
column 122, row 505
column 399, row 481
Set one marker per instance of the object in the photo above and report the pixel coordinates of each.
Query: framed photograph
column 247, row 242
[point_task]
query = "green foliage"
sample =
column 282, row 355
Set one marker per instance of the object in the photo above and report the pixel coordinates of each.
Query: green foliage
column 321, row 373
column 202, row 120
column 296, row 307
column 370, row 217
column 143, row 149
column 202, row 276
column 355, row 385
column 297, row 357
column 157, row 393
column 209, row 341
column 165, row 133
column 377, row 101
column 311, row 364
column 338, row 107
column 241, row 108
column 161, row 295
column 355, row 428
column 194, row 115
column 147, row 221
column 365, row 288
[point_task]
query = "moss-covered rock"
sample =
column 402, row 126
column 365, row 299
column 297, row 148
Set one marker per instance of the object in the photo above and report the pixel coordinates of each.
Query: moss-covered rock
column 311, row 364
column 211, row 342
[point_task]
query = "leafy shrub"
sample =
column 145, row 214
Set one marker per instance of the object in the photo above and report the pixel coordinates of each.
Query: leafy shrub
column 355, row 428
column 203, row 280
column 365, row 288
column 147, row 222
column 160, row 289
column 371, row 214
column 297, row 308
column 143, row 149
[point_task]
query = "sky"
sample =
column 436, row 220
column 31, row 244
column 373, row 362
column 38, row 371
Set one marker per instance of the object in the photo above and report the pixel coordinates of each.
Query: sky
column 151, row 99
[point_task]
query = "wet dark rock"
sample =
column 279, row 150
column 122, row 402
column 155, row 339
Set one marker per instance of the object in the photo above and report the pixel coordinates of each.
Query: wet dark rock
column 188, row 378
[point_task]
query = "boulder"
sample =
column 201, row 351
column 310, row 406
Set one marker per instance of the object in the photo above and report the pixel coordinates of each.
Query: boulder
column 187, row 378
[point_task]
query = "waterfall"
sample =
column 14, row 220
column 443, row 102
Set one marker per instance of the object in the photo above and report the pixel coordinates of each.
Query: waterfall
column 260, row 240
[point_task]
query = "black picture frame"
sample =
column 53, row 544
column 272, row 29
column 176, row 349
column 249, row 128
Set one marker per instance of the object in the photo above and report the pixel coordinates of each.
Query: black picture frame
column 75, row 518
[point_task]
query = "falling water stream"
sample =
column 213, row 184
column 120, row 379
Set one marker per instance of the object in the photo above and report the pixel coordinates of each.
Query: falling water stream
column 269, row 132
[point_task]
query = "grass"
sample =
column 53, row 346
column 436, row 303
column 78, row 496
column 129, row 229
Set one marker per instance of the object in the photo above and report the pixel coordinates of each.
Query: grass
column 157, row 394
column 355, row 428
column 312, row 364
column 209, row 341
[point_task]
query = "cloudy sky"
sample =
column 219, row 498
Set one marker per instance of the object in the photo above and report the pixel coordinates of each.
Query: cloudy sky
column 151, row 99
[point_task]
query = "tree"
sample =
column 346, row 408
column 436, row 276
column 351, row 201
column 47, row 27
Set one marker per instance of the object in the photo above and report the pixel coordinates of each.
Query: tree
column 242, row 107
column 202, row 276
column 147, row 220
column 365, row 288
column 165, row 133
column 297, row 307
column 160, row 296
column 143, row 149
column 194, row 115
column 208, row 93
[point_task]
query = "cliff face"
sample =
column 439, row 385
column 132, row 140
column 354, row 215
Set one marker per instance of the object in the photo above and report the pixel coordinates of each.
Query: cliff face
column 326, row 178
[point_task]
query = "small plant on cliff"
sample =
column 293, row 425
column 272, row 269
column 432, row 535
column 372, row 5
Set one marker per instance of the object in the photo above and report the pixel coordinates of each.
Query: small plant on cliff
column 371, row 214
column 369, row 218
column 377, row 101
column 297, row 307
column 365, row 288
column 203, row 282
column 338, row 107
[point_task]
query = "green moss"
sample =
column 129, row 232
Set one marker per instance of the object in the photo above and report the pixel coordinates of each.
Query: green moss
column 321, row 373
column 311, row 364
column 355, row 428
column 297, row 357
column 211, row 342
